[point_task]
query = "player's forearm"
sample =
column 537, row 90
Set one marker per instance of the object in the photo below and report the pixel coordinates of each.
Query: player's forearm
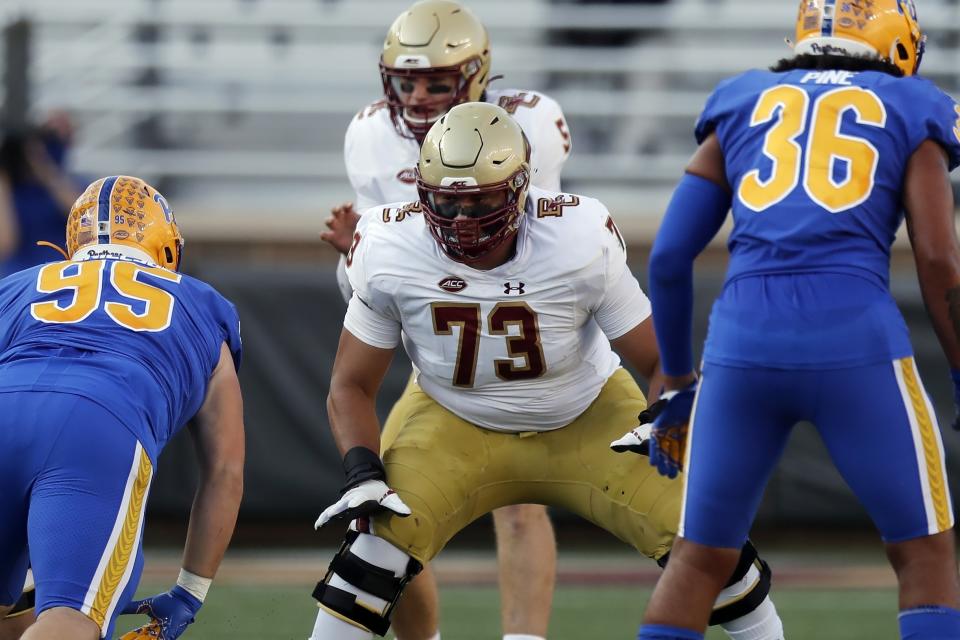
column 929, row 205
column 64, row 192
column 694, row 215
column 9, row 236
column 9, row 229
column 353, row 418
column 657, row 383
column 212, row 519
column 671, row 293
column 940, row 286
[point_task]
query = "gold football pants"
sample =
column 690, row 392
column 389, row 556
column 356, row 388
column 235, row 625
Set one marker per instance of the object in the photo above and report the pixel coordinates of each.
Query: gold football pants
column 450, row 472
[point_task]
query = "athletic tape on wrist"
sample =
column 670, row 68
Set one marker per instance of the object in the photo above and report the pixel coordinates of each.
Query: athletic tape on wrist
column 193, row 584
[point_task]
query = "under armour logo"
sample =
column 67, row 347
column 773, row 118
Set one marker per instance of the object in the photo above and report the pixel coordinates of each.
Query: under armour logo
column 508, row 288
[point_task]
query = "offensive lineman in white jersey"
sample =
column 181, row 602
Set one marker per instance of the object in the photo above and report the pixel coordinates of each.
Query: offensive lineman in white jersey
column 436, row 55
column 507, row 299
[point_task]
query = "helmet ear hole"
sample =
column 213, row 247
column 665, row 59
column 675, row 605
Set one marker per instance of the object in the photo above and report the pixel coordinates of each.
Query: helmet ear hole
column 169, row 255
column 902, row 51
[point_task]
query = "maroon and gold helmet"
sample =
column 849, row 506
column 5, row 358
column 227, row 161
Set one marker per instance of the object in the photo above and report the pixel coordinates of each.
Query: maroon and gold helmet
column 442, row 46
column 473, row 178
column 126, row 211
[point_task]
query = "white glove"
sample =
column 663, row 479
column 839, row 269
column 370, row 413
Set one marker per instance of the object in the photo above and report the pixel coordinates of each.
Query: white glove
column 365, row 499
column 636, row 440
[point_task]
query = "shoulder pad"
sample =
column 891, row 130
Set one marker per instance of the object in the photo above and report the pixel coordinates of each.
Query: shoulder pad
column 371, row 109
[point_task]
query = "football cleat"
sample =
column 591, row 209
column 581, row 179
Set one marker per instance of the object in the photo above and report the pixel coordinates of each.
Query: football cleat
column 884, row 28
column 442, row 47
column 127, row 211
column 473, row 177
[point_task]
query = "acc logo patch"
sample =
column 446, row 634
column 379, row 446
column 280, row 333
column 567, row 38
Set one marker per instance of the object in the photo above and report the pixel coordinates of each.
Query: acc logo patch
column 120, row 235
column 452, row 285
column 407, row 176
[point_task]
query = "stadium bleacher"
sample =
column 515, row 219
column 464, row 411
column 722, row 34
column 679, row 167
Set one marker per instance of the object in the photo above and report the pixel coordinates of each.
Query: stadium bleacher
column 243, row 103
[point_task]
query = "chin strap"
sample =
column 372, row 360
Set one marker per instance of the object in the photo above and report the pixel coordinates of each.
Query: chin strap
column 44, row 243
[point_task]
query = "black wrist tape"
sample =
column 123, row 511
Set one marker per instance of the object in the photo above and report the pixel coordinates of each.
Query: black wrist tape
column 361, row 464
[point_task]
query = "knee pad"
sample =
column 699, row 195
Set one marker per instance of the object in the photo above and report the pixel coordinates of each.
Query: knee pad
column 746, row 590
column 365, row 580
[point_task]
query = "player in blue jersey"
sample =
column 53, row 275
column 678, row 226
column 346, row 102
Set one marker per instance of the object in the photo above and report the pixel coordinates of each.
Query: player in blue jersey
column 817, row 158
column 103, row 358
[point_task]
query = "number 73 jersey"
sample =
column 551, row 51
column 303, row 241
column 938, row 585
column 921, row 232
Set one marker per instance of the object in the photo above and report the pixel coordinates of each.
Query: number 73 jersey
column 139, row 340
column 816, row 160
column 521, row 347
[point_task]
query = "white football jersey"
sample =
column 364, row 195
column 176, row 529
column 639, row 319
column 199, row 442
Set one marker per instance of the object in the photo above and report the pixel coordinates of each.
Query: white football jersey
column 380, row 161
column 521, row 347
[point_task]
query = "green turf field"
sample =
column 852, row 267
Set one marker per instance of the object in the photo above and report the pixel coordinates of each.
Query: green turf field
column 579, row 613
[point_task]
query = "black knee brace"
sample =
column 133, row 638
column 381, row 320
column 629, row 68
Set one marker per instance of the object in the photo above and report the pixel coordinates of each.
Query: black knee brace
column 751, row 599
column 375, row 580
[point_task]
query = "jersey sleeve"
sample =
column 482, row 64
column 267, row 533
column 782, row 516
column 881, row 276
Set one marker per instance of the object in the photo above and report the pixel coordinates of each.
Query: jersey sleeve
column 372, row 315
column 357, row 160
column 9, row 310
column 227, row 324
column 550, row 144
column 942, row 123
column 623, row 305
column 719, row 105
column 343, row 280
column 231, row 330
column 709, row 117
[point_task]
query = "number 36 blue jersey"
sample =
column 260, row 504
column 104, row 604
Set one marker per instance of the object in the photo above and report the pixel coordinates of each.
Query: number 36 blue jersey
column 816, row 160
column 139, row 340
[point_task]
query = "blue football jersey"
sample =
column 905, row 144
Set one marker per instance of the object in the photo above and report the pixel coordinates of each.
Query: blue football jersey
column 139, row 340
column 816, row 161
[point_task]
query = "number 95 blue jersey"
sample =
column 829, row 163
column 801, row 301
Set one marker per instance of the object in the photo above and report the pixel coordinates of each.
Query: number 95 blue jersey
column 139, row 340
column 816, row 160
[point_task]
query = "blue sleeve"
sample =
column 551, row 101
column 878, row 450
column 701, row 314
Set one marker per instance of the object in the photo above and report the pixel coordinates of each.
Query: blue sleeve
column 12, row 303
column 7, row 316
column 222, row 321
column 707, row 122
column 231, row 331
column 930, row 114
column 943, row 126
column 718, row 106
column 694, row 215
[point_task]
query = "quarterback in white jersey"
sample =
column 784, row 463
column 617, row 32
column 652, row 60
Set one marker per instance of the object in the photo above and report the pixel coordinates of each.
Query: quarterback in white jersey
column 381, row 153
column 422, row 78
column 508, row 299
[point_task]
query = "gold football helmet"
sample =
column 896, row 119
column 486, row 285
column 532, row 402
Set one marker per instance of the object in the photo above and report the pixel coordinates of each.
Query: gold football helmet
column 127, row 211
column 885, row 28
column 473, row 177
column 436, row 55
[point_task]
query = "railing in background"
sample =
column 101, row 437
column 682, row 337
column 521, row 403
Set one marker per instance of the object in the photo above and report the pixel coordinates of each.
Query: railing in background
column 219, row 100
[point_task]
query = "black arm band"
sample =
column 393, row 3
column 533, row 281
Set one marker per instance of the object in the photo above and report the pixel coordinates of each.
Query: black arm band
column 361, row 464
